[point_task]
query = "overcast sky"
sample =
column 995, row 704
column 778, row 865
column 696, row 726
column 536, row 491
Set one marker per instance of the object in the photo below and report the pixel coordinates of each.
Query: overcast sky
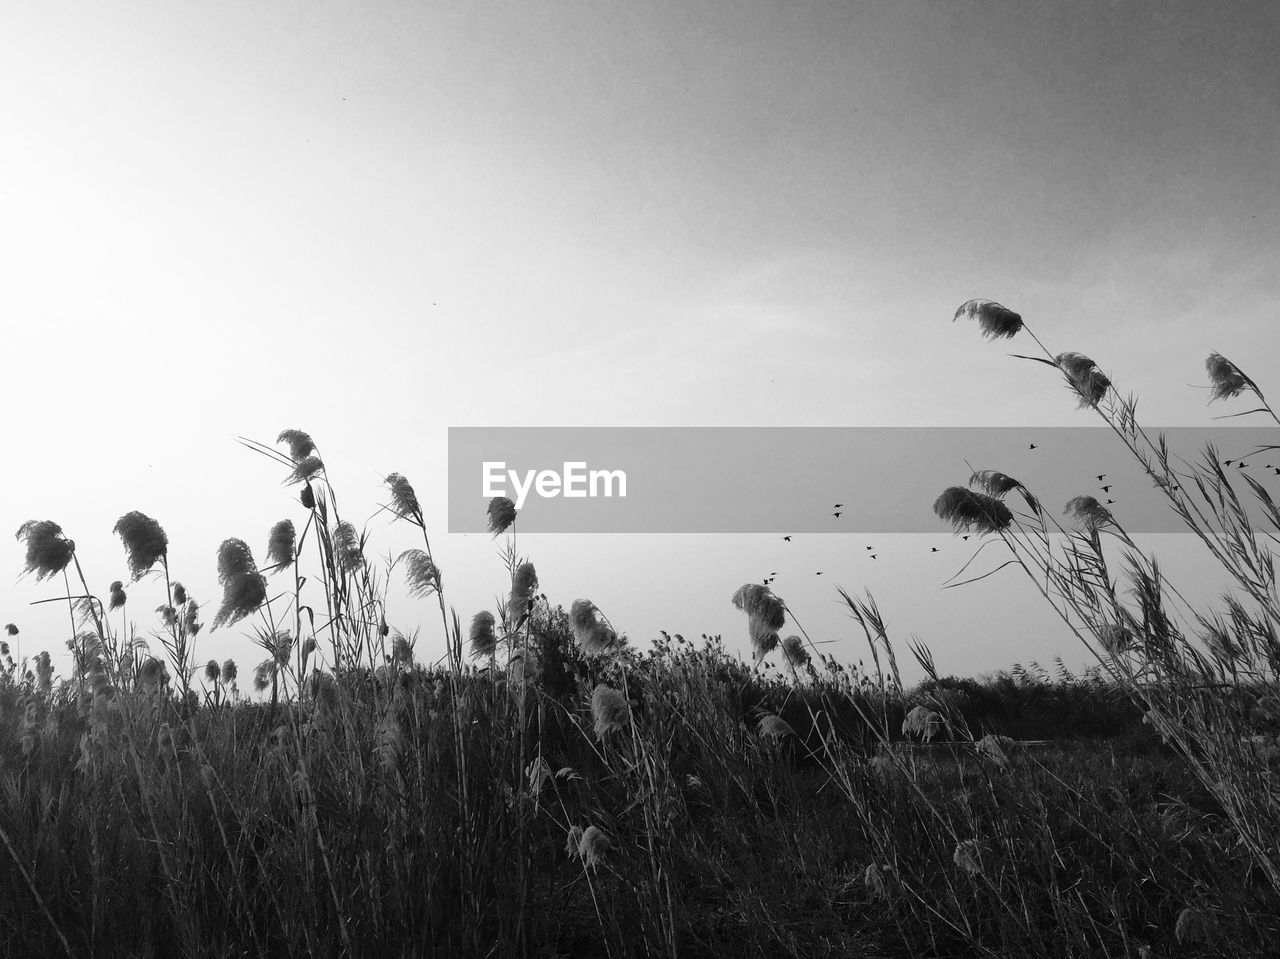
column 375, row 221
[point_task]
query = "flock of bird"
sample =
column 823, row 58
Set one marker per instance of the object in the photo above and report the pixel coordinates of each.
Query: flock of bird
column 871, row 552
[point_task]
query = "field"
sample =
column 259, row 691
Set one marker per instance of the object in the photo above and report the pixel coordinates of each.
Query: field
column 550, row 789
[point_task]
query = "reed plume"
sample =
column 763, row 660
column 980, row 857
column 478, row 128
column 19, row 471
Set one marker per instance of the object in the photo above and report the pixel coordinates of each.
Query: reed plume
column 610, row 710
column 300, row 444
column 304, row 470
column 1226, row 379
column 117, row 598
column 966, row 510
column 483, row 640
column 773, row 726
column 1083, row 376
column 348, row 547
column 1087, row 510
column 48, row 550
column 594, row 636
column 994, row 320
column 282, row 544
column 502, row 513
column 592, row 847
column 794, row 653
column 421, row 573
column 404, row 501
column 145, row 543
column 244, row 589
column 212, row 671
column 524, row 585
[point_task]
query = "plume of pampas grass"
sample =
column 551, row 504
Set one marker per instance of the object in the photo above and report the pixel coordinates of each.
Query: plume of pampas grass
column 404, row 501
column 759, row 602
column 300, row 444
column 190, row 618
column 1115, row 638
column 610, row 710
column 212, row 671
column 421, row 573
column 282, row 544
column 763, row 639
column 1226, row 378
column 775, row 727
column 592, row 846
column 168, row 616
column 592, row 635
column 229, row 671
column 538, row 772
column 524, row 585
column 993, row 747
column 389, row 744
column 1087, row 510
column 482, row 638
column 1195, row 925
column 1083, row 375
column 304, row 470
column 966, row 510
column 118, row 597
column 968, row 856
column 877, row 880
column 244, row 589
column 145, row 543
column 993, row 482
column 347, row 548
column 10, row 629
column 794, row 653
column 154, row 673
column 502, row 513
column 923, row 722
column 179, row 594
column 995, row 321
column 262, row 674
column 401, row 651
column 308, row 497
column 572, row 841
column 48, row 551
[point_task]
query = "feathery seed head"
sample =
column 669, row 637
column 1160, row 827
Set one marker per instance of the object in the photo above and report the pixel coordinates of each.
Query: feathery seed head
column 993, row 747
column 759, row 602
column 1115, row 638
column 1083, row 375
column 1226, row 378
column 572, row 841
column 763, row 639
column 244, row 589
column 401, row 651
column 145, row 543
column 610, row 710
column 502, row 513
column 482, row 638
column 117, row 596
column 48, row 551
column 307, row 497
column 876, row 881
column 404, row 501
column 179, row 594
column 794, row 652
column 993, row 482
column 923, row 722
column 524, row 665
column 347, row 547
column 994, row 320
column 968, row 856
column 1088, row 511
column 775, row 727
column 966, row 510
column 10, row 629
column 421, row 573
column 592, row 847
column 300, row 444
column 1195, row 925
column 212, row 671
column 281, row 544
column 229, row 671
column 524, row 585
column 594, row 636
column 304, row 470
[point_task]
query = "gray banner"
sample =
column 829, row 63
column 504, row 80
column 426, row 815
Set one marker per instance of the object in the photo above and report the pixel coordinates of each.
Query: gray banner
column 796, row 479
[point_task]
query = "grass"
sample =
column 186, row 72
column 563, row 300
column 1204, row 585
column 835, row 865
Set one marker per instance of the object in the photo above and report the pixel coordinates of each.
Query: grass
column 547, row 789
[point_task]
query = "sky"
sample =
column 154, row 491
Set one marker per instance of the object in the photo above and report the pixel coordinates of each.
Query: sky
column 376, row 221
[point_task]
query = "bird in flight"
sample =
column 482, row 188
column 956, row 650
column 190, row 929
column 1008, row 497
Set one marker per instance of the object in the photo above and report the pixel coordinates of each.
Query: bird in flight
column 965, row 537
column 933, row 549
column 1227, row 462
column 836, row 514
column 1107, row 488
column 787, row 538
column 818, row 573
column 1110, row 501
column 1032, row 446
column 838, row 505
column 870, row 547
column 873, row 555
column 1101, row 477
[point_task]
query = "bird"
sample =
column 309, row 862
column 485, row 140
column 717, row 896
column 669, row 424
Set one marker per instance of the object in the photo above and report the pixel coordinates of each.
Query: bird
column 836, row 514
column 933, row 549
column 870, row 547
column 1107, row 488
column 838, row 506
column 1227, row 462
column 1101, row 477
column 965, row 536
column 1110, row 501
column 787, row 538
column 818, row 573
column 1240, row 466
column 1031, row 446
column 1277, row 469
column 873, row 555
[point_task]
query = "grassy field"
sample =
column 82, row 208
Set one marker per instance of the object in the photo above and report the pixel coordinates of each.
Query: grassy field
column 549, row 789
